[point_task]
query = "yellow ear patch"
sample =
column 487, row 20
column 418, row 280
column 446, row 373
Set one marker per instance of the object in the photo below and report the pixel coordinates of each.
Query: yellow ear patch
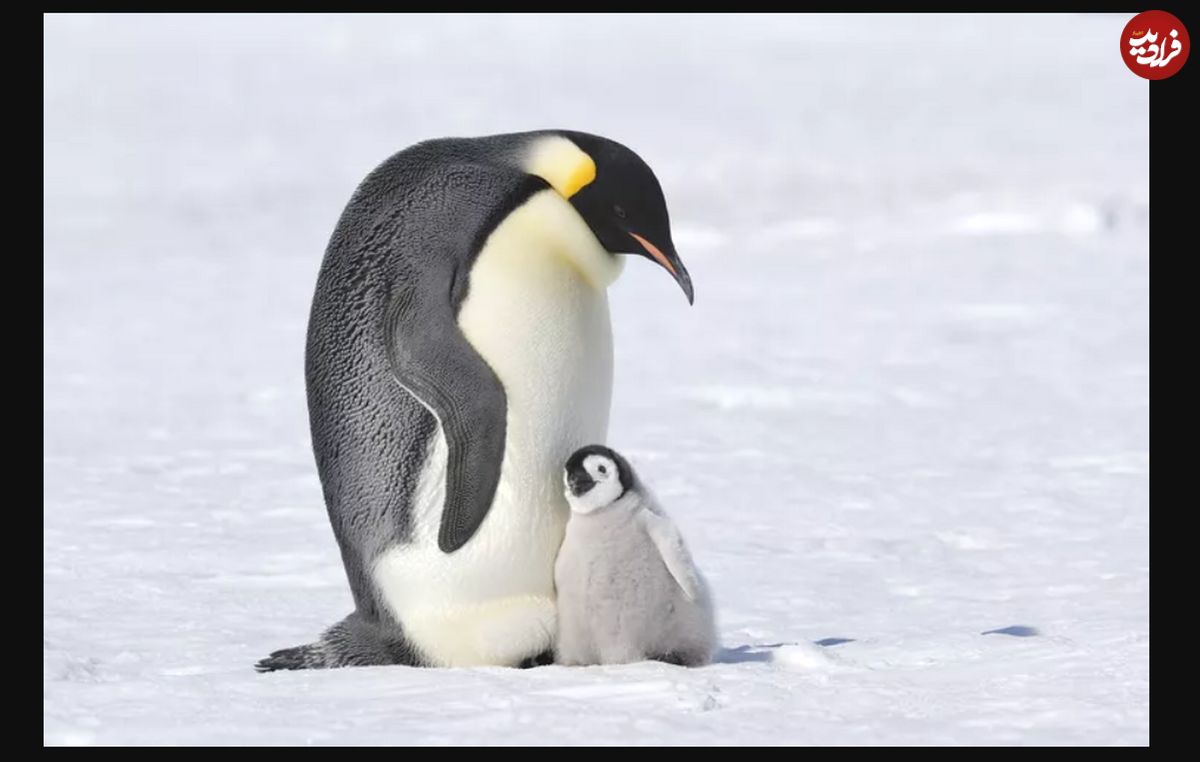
column 561, row 163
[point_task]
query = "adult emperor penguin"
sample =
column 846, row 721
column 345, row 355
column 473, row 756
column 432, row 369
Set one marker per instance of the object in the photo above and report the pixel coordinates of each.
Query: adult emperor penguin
column 459, row 350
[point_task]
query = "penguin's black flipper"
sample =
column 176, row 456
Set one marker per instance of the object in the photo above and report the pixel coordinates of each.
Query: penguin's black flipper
column 432, row 359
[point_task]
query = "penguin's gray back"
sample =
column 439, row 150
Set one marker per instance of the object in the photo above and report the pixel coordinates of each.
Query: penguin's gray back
column 414, row 224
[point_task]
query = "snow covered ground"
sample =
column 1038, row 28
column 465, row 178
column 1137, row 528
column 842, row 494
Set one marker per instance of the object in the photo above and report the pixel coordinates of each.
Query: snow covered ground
column 904, row 428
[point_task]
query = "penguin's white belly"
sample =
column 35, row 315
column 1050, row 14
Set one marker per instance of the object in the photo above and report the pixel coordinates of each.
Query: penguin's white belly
column 542, row 324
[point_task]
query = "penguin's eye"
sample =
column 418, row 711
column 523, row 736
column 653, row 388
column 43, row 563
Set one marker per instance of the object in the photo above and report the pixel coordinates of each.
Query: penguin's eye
column 619, row 211
column 602, row 470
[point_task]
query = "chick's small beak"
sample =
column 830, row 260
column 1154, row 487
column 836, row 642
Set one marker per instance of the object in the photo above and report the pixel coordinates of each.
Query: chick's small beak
column 672, row 265
column 579, row 482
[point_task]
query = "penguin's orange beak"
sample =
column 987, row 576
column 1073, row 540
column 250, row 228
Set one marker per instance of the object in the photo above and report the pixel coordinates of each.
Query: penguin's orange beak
column 670, row 261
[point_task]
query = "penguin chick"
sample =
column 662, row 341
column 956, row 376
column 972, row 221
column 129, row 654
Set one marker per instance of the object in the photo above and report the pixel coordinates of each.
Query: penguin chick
column 627, row 588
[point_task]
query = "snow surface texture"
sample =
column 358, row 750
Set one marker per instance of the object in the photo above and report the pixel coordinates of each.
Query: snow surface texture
column 904, row 428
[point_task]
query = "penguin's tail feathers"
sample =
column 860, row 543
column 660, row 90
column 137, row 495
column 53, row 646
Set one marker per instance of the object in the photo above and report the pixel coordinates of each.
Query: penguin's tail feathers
column 311, row 656
column 353, row 642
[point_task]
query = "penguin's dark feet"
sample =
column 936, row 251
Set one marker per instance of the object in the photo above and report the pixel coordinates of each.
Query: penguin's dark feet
column 544, row 659
column 300, row 657
column 681, row 659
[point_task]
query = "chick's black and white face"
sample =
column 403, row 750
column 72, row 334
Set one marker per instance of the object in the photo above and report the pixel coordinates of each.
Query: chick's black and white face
column 593, row 480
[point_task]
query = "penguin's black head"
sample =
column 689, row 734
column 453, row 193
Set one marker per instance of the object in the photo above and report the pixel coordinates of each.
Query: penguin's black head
column 620, row 199
column 596, row 476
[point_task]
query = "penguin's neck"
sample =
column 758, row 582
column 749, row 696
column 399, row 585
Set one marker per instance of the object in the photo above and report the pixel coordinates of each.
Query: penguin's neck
column 546, row 225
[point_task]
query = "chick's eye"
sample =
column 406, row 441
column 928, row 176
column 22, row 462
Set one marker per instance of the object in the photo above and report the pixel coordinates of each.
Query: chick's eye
column 603, row 470
column 619, row 211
